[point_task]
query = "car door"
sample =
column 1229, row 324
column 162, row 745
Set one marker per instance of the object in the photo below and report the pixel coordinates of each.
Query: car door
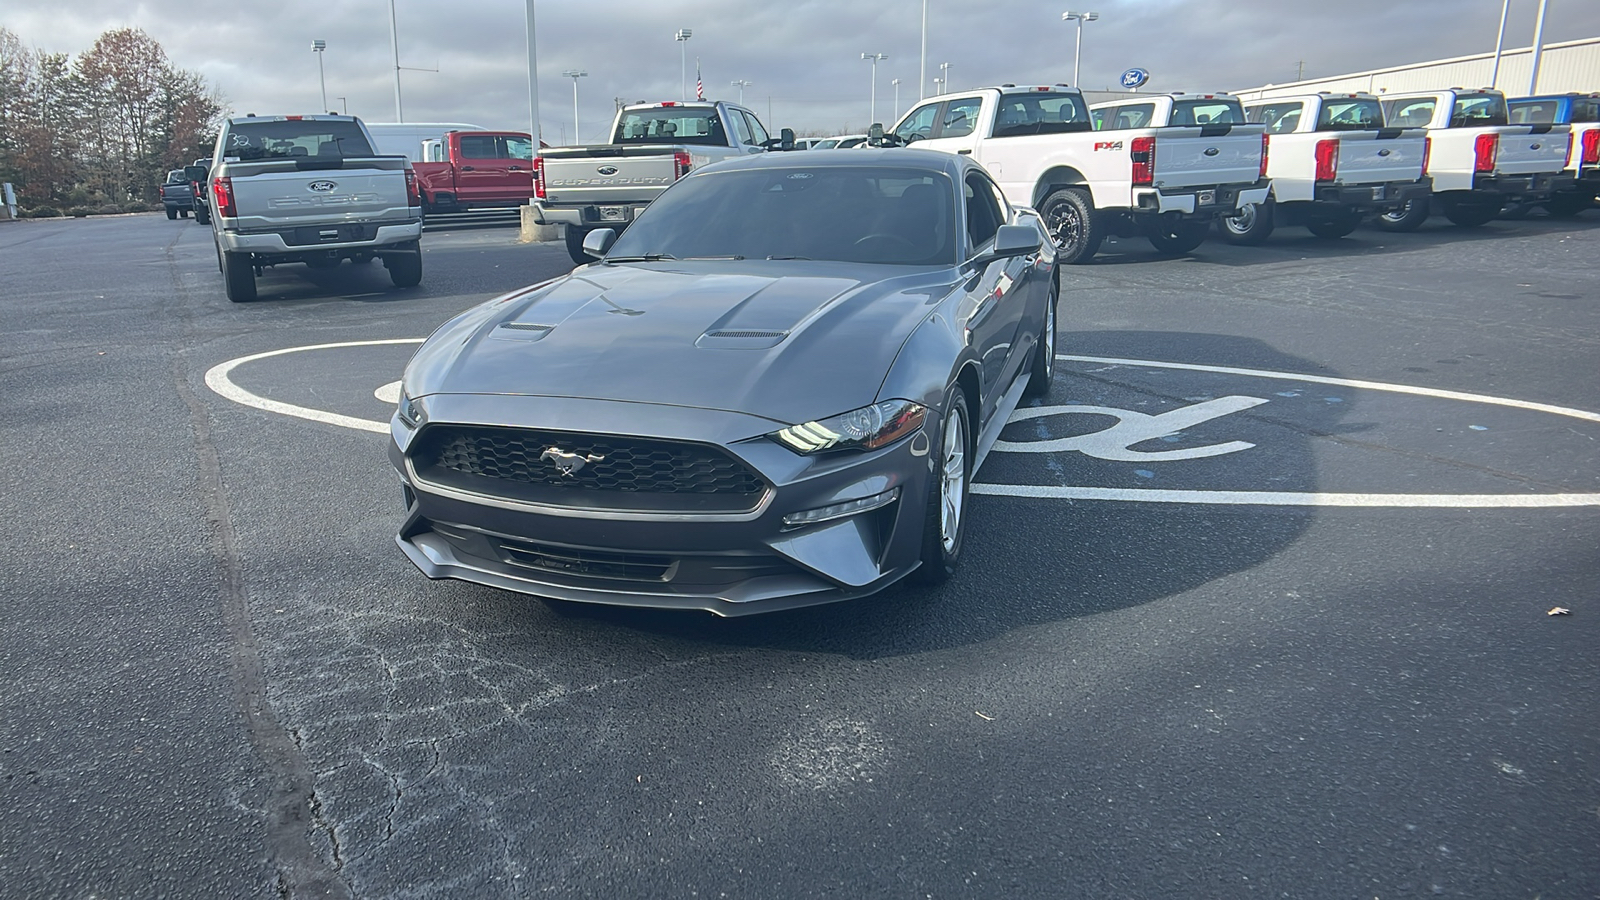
column 956, row 128
column 483, row 171
column 997, row 292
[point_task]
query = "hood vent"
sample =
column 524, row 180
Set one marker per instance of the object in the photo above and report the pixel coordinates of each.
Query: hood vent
column 746, row 334
column 523, row 331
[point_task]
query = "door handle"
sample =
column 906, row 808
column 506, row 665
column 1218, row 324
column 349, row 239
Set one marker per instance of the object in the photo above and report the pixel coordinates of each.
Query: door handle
column 469, row 168
column 964, row 152
column 513, row 168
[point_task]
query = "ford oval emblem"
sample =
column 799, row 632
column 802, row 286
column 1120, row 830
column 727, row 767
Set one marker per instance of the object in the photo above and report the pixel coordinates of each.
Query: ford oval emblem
column 1212, row 151
column 1383, row 152
column 607, row 170
column 321, row 187
column 1534, row 146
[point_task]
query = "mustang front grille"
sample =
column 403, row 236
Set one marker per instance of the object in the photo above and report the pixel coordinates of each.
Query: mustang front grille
column 604, row 471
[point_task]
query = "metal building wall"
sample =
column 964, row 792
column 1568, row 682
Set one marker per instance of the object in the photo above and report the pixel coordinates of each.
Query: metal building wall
column 1565, row 66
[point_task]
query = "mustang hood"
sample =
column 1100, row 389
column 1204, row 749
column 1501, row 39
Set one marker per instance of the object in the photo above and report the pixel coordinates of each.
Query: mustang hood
column 744, row 337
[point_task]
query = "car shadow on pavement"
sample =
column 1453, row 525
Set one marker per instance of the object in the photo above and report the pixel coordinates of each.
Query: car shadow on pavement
column 1035, row 560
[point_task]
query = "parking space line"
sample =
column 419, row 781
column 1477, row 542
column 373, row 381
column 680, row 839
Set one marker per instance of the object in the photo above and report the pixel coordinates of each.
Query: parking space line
column 218, row 380
column 1286, row 498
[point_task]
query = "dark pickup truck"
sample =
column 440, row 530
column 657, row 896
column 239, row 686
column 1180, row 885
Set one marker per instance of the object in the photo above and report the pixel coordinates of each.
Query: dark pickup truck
column 177, row 195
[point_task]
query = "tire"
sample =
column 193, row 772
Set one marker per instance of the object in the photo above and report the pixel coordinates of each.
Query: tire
column 1070, row 218
column 405, row 269
column 1336, row 226
column 1252, row 226
column 172, row 213
column 1469, row 214
column 1516, row 211
column 1178, row 238
column 1408, row 217
column 1567, row 204
column 575, row 236
column 202, row 214
column 945, row 521
column 239, row 277
column 1042, row 370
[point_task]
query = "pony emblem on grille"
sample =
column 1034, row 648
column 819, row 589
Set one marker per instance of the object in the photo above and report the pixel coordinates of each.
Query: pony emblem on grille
column 568, row 463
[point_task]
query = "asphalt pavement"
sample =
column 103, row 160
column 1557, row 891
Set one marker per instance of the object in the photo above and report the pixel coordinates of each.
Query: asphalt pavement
column 1255, row 603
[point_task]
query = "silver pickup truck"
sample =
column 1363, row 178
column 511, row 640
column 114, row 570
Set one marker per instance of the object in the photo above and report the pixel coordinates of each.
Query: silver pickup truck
column 309, row 189
column 652, row 145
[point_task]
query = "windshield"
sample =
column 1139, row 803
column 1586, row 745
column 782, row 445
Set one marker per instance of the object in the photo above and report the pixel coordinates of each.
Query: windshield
column 1350, row 115
column 1474, row 110
column 843, row 213
column 1207, row 112
column 1040, row 112
column 671, row 125
column 296, row 137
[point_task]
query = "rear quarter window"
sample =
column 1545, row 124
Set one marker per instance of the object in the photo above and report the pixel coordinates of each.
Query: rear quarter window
column 1351, row 114
column 1475, row 110
column 1041, row 112
column 1278, row 118
column 1409, row 113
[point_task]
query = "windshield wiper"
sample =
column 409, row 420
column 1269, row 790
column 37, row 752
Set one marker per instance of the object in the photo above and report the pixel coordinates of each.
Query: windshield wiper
column 788, row 257
column 648, row 257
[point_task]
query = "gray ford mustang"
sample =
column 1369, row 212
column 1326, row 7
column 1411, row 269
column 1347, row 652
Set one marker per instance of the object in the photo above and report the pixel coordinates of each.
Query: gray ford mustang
column 772, row 390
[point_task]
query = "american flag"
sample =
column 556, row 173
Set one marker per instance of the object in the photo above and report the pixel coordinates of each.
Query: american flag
column 699, row 85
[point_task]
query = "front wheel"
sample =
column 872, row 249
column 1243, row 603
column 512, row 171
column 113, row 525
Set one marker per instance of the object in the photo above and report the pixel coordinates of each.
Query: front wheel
column 405, row 269
column 1252, row 225
column 1407, row 218
column 1044, row 350
column 1335, row 226
column 945, row 516
column 1176, row 238
column 239, row 277
column 1069, row 216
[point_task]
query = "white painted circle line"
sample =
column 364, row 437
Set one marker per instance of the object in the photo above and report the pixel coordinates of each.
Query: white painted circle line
column 217, row 380
column 1345, row 382
column 1285, row 498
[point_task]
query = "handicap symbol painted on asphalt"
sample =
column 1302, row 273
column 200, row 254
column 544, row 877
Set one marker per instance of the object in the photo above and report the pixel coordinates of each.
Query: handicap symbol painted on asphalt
column 1117, row 442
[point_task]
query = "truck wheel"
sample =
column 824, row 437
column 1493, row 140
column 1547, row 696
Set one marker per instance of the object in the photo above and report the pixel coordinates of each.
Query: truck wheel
column 1251, row 226
column 1178, row 237
column 239, row 276
column 1470, row 214
column 575, row 236
column 405, row 269
column 1070, row 217
column 1407, row 218
column 172, row 213
column 202, row 214
column 1567, row 204
column 1335, row 226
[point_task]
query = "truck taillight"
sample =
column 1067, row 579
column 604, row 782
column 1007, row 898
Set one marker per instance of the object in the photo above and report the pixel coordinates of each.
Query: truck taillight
column 222, row 189
column 1591, row 147
column 680, row 164
column 1263, row 155
column 1427, row 151
column 1328, row 159
column 1485, row 149
column 413, row 196
column 1142, row 153
column 538, row 178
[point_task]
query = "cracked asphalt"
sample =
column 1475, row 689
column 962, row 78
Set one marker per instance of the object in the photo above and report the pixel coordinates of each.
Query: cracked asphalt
column 221, row 678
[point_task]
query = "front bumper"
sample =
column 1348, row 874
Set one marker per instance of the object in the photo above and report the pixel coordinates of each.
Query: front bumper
column 591, row 215
column 725, row 563
column 1212, row 200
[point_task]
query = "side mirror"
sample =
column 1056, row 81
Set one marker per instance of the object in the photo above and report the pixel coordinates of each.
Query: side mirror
column 598, row 241
column 1016, row 240
column 786, row 138
column 875, row 134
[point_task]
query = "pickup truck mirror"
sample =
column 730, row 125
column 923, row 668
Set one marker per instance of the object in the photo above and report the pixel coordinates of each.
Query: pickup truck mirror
column 877, row 137
column 194, row 173
column 598, row 241
column 784, row 140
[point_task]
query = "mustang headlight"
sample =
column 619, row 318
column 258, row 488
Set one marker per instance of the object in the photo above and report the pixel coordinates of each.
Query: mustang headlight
column 410, row 410
column 867, row 428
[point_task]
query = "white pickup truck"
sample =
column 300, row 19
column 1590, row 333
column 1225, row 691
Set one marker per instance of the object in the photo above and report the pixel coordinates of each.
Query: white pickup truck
column 1582, row 112
column 652, row 145
column 309, row 189
column 1332, row 163
column 1162, row 182
column 1478, row 161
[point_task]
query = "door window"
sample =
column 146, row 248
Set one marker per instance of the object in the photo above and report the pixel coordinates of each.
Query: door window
column 758, row 134
column 919, row 124
column 984, row 215
column 960, row 117
column 1279, row 118
column 478, row 146
column 741, row 130
column 1409, row 113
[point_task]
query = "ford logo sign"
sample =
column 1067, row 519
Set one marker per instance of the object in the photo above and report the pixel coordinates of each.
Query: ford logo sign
column 1134, row 78
column 607, row 170
column 321, row 187
column 1212, row 151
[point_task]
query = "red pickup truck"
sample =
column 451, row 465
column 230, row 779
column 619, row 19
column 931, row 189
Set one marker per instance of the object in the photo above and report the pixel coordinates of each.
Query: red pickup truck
column 475, row 170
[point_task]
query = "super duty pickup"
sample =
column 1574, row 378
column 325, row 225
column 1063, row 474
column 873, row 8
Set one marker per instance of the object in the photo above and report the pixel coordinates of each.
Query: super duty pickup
column 475, row 170
column 1478, row 160
column 1164, row 183
column 1582, row 112
column 309, row 189
column 1332, row 163
column 652, row 145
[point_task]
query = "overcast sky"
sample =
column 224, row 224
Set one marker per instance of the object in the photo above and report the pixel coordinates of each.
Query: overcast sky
column 803, row 56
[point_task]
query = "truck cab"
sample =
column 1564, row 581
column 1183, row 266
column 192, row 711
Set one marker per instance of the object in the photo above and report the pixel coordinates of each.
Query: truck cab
column 475, row 170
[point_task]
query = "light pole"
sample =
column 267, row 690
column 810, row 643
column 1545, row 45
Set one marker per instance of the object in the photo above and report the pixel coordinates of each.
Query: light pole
column 1077, row 55
column 922, row 73
column 938, row 86
column 1538, row 47
column 741, row 84
column 896, row 83
column 944, row 73
column 682, row 37
column 394, row 42
column 320, row 46
column 533, row 83
column 574, row 74
column 344, row 104
column 872, row 115
column 1499, row 43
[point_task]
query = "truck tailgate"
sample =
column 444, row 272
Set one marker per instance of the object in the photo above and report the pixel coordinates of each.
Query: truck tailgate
column 1375, row 157
column 1198, row 156
column 1532, row 149
column 617, row 173
column 276, row 194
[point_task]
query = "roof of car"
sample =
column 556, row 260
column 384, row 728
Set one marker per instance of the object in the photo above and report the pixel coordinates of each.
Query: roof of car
column 868, row 157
